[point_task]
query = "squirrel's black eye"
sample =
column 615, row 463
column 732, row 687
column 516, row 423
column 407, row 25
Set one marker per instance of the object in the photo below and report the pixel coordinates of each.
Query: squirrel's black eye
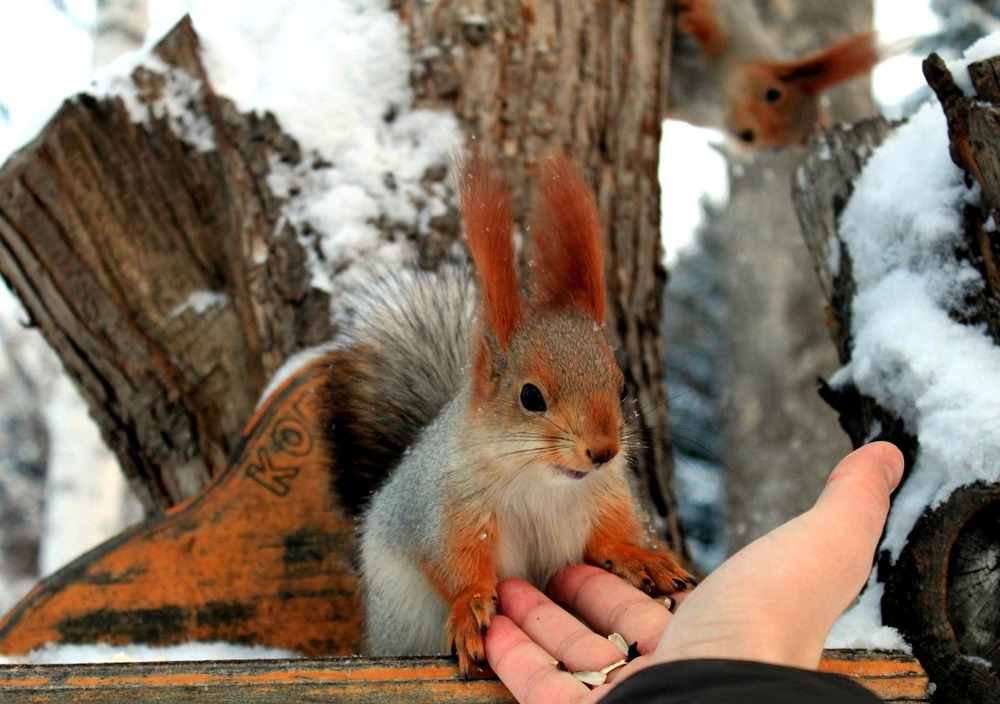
column 624, row 394
column 532, row 399
column 747, row 136
column 772, row 95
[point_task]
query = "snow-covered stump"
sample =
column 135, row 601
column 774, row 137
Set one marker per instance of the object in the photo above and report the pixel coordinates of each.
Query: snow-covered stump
column 140, row 232
column 907, row 252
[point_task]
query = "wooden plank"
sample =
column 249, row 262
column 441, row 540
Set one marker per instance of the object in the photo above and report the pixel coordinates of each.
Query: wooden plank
column 892, row 675
column 895, row 677
column 262, row 555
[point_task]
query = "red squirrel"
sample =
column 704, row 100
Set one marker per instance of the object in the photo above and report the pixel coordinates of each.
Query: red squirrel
column 521, row 466
column 735, row 80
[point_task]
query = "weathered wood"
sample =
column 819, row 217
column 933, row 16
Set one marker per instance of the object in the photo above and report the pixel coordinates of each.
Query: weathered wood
column 974, row 138
column 944, row 594
column 262, row 555
column 944, row 589
column 894, row 677
column 590, row 77
column 823, row 185
column 107, row 227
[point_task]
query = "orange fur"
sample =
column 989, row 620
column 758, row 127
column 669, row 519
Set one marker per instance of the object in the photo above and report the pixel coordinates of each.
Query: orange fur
column 698, row 18
column 766, row 123
column 468, row 582
column 762, row 101
column 774, row 103
column 486, row 212
column 839, row 62
column 566, row 230
column 614, row 544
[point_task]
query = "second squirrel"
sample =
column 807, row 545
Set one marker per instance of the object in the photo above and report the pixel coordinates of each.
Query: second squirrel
column 732, row 77
column 524, row 469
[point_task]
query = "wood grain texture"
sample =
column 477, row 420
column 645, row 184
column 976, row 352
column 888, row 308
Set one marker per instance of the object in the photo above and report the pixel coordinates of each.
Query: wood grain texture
column 894, row 677
column 108, row 226
column 262, row 555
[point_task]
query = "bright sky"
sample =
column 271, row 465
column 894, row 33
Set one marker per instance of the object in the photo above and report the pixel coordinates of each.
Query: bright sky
column 52, row 56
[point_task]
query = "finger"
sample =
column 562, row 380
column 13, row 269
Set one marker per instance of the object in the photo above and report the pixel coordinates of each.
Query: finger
column 858, row 493
column 554, row 629
column 610, row 605
column 529, row 672
column 842, row 530
column 828, row 551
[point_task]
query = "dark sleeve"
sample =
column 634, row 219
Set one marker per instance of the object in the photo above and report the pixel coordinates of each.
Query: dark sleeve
column 735, row 682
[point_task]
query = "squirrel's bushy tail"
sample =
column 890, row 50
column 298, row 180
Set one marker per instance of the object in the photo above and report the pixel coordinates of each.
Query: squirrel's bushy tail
column 401, row 359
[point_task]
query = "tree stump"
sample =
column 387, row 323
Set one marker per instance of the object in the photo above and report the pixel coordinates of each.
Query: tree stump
column 107, row 230
column 943, row 592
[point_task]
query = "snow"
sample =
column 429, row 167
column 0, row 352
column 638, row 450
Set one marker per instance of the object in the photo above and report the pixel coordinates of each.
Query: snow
column 52, row 654
column 985, row 48
column 901, row 229
column 177, row 102
column 293, row 364
column 861, row 627
column 345, row 96
column 201, row 302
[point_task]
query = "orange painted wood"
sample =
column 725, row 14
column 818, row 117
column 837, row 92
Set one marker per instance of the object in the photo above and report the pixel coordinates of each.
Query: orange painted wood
column 893, row 676
column 262, row 555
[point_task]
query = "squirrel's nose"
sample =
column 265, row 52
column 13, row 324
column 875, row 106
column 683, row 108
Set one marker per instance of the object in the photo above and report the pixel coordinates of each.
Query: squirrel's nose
column 600, row 455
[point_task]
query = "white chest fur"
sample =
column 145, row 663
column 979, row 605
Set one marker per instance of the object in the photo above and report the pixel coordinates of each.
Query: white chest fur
column 544, row 528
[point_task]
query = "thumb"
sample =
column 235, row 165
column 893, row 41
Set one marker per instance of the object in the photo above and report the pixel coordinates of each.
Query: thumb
column 777, row 599
column 855, row 503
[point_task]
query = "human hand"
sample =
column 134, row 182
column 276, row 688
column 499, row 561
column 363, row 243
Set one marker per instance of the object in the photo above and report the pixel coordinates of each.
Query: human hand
column 774, row 601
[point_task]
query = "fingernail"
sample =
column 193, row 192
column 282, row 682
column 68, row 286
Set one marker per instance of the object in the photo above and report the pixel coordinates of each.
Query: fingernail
column 893, row 467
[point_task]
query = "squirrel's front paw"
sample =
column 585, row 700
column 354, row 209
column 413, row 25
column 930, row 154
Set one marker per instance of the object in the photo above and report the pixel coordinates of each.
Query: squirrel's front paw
column 470, row 615
column 653, row 571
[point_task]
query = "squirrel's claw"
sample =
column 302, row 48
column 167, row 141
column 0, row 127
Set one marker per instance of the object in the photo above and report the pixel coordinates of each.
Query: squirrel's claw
column 654, row 572
column 471, row 612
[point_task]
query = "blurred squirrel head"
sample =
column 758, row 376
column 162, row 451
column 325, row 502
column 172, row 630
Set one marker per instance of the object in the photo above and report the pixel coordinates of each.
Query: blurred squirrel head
column 543, row 372
column 776, row 103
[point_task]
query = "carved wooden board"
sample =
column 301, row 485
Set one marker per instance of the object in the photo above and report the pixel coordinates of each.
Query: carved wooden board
column 261, row 555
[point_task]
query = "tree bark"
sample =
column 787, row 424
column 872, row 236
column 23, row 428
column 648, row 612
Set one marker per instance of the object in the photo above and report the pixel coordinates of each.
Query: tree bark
column 590, row 77
column 942, row 592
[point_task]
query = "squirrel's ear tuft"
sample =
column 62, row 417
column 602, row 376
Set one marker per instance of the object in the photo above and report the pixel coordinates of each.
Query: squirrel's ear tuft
column 566, row 230
column 839, row 62
column 486, row 211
